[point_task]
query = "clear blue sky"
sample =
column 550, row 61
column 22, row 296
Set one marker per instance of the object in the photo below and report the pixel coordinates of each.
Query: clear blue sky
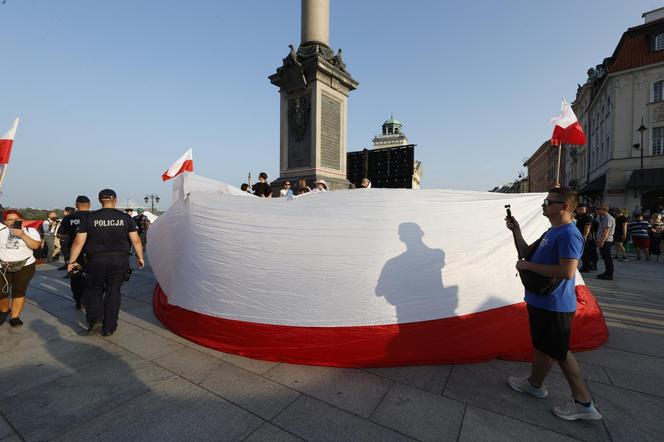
column 111, row 92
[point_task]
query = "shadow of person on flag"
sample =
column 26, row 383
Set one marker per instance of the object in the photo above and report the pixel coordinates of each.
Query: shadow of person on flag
column 413, row 283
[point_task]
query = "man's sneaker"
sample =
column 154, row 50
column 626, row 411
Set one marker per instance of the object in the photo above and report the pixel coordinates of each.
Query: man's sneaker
column 95, row 329
column 573, row 411
column 605, row 276
column 524, row 386
column 624, row 259
column 648, row 259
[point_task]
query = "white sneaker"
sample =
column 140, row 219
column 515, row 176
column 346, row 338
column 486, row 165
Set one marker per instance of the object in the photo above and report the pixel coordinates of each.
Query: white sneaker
column 574, row 411
column 524, row 386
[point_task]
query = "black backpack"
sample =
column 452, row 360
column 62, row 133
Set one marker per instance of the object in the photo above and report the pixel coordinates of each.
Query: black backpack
column 534, row 282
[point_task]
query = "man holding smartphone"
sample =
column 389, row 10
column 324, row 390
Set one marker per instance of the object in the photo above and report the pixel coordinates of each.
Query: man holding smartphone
column 550, row 316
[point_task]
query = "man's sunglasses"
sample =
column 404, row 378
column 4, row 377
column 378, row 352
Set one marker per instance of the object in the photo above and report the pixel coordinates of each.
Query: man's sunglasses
column 547, row 202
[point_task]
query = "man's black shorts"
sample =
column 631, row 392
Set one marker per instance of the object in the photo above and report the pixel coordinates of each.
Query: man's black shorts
column 550, row 331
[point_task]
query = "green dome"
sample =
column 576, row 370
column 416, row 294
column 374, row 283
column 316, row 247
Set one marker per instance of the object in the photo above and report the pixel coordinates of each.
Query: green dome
column 392, row 122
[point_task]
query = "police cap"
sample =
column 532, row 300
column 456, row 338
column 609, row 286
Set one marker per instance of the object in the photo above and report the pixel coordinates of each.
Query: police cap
column 82, row 199
column 107, row 194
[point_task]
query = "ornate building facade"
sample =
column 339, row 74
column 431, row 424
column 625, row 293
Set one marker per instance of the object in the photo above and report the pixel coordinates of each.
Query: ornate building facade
column 622, row 95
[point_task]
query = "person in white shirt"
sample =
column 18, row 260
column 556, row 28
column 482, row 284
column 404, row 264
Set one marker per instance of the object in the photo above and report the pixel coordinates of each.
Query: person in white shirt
column 321, row 186
column 287, row 191
column 49, row 229
column 18, row 265
column 366, row 183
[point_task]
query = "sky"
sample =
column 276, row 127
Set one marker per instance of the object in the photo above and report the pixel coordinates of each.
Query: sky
column 110, row 93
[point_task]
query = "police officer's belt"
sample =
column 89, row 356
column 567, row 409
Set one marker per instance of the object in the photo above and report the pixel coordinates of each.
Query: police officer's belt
column 101, row 254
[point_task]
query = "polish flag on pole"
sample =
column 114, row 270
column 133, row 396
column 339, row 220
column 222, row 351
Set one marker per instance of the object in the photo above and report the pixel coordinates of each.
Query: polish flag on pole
column 6, row 142
column 567, row 129
column 184, row 164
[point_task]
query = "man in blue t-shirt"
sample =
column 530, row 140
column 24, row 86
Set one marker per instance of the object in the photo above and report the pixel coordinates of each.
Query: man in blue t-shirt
column 550, row 316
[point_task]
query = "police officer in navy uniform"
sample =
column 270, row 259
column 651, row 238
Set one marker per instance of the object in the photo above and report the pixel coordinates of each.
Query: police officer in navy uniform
column 106, row 237
column 67, row 234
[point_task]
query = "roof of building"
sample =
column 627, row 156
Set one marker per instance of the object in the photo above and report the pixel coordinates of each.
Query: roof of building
column 392, row 121
column 635, row 47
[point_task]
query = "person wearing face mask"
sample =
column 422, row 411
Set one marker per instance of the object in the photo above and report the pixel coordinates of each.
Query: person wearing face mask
column 18, row 265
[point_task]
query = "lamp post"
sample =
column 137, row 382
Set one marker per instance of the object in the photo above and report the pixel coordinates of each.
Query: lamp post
column 153, row 198
column 641, row 130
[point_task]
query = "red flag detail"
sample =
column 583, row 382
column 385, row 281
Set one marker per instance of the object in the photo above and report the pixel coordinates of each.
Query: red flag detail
column 184, row 164
column 5, row 151
column 567, row 129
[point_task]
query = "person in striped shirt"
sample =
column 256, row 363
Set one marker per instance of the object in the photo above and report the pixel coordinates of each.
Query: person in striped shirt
column 638, row 231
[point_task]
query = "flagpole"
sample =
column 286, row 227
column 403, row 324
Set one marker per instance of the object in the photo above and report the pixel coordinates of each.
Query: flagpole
column 560, row 149
column 3, row 172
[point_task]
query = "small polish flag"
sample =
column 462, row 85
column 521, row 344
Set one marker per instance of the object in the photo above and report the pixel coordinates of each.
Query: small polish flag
column 567, row 129
column 184, row 164
column 6, row 142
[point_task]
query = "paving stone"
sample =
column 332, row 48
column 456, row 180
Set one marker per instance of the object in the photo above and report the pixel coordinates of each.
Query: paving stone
column 311, row 419
column 51, row 409
column 269, row 433
column 485, row 386
column 248, row 390
column 643, row 384
column 253, row 365
column 627, row 338
column 174, row 411
column 143, row 317
column 129, row 304
column 350, row 389
column 429, row 378
column 5, row 429
column 639, row 365
column 629, row 415
column 481, row 424
column 419, row 414
column 142, row 342
column 11, row 438
column 33, row 363
column 187, row 362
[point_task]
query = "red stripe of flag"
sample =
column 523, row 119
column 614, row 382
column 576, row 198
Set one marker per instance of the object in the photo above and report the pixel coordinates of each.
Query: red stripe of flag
column 5, row 151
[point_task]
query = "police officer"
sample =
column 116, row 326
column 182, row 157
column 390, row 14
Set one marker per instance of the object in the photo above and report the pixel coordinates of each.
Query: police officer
column 106, row 237
column 67, row 233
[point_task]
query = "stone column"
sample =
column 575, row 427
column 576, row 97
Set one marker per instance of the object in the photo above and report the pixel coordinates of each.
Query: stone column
column 315, row 21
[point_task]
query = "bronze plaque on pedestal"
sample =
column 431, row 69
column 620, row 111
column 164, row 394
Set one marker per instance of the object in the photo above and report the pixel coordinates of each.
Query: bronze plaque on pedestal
column 330, row 139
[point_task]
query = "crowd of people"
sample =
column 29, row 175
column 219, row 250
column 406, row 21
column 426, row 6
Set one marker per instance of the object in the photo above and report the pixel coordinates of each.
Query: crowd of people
column 263, row 189
column 95, row 245
column 608, row 232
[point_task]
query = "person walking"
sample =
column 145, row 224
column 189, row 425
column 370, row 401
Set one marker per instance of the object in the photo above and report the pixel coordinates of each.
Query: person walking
column 607, row 227
column 106, row 237
column 143, row 225
column 655, row 232
column 18, row 265
column 638, row 231
column 67, row 234
column 583, row 223
column 49, row 228
column 550, row 317
column 620, row 236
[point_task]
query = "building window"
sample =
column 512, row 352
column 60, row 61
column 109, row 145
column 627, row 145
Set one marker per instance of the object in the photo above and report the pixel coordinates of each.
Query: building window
column 659, row 42
column 658, row 91
column 658, row 140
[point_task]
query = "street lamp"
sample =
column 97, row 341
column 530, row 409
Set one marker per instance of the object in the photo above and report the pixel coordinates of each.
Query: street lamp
column 641, row 130
column 153, row 198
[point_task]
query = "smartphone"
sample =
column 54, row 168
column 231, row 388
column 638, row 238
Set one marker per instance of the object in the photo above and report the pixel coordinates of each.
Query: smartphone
column 509, row 212
column 18, row 224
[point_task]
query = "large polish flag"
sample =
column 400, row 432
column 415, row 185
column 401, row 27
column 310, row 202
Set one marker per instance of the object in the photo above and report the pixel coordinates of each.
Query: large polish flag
column 567, row 129
column 184, row 164
column 6, row 142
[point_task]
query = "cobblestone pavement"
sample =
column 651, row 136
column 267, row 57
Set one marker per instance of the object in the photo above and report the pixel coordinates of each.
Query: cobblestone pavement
column 145, row 383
